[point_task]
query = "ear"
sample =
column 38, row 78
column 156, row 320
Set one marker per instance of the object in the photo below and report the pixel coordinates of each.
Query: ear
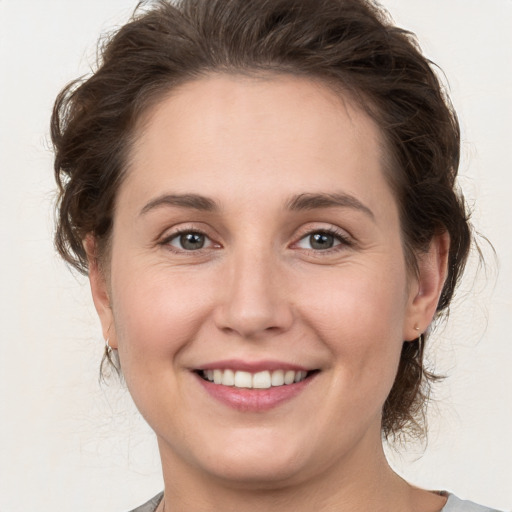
column 427, row 286
column 100, row 291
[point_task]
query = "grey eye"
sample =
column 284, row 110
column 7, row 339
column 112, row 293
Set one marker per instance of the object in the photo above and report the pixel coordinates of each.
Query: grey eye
column 191, row 241
column 319, row 241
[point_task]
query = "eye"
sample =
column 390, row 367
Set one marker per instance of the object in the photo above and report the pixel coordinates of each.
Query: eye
column 321, row 241
column 189, row 241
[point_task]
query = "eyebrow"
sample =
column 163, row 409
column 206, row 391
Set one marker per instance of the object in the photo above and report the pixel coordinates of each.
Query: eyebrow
column 323, row 200
column 192, row 201
column 300, row 202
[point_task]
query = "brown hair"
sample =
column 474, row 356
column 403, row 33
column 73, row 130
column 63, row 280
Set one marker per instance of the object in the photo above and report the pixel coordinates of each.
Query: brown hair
column 349, row 44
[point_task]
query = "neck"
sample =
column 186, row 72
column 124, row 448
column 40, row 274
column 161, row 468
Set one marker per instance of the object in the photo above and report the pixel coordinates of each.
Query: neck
column 354, row 483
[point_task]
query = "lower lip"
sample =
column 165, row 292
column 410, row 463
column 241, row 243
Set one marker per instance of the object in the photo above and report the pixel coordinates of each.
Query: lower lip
column 254, row 400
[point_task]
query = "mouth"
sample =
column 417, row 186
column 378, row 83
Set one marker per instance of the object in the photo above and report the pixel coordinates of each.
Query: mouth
column 254, row 386
column 265, row 379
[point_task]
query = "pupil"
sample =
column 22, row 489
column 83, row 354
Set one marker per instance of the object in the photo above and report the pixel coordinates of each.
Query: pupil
column 321, row 241
column 192, row 241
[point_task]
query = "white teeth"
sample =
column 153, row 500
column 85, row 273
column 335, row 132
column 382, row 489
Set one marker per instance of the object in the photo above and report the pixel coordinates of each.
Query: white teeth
column 243, row 380
column 259, row 380
column 299, row 376
column 289, row 377
column 228, row 378
column 277, row 378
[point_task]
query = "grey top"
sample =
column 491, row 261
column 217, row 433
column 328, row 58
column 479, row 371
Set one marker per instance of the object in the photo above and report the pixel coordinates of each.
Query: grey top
column 151, row 505
column 453, row 504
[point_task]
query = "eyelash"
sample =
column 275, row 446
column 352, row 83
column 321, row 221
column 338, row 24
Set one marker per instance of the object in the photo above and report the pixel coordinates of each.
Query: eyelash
column 341, row 236
column 186, row 231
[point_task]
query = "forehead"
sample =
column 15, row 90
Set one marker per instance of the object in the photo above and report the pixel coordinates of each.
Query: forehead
column 218, row 101
column 294, row 132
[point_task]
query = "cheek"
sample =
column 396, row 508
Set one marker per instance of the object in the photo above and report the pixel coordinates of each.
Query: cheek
column 156, row 314
column 359, row 314
column 356, row 298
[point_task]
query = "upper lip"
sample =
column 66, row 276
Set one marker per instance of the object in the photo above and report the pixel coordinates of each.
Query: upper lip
column 252, row 366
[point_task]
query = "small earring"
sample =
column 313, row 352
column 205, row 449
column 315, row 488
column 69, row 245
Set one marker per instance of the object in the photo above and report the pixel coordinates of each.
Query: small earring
column 416, row 328
column 108, row 348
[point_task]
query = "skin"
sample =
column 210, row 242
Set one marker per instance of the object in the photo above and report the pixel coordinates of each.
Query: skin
column 259, row 290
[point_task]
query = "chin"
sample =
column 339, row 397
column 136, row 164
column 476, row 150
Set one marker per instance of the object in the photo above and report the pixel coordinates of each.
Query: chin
column 250, row 458
column 259, row 473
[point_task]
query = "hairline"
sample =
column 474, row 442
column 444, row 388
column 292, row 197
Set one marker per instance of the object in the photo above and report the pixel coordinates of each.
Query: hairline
column 156, row 94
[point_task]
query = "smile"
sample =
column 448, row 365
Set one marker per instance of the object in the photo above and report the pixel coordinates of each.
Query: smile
column 254, row 386
column 259, row 380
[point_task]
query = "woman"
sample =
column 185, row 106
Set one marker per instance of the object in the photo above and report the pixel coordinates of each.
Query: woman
column 262, row 195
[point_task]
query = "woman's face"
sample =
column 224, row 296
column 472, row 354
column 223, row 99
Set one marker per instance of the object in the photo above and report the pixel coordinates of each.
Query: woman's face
column 257, row 242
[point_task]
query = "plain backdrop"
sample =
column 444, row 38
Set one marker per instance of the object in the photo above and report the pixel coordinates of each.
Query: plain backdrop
column 69, row 443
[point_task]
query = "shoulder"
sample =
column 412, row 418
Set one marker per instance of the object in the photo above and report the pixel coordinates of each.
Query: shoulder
column 149, row 506
column 455, row 504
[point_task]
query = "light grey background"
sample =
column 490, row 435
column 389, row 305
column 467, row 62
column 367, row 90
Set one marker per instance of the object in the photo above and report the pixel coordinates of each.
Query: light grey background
column 68, row 444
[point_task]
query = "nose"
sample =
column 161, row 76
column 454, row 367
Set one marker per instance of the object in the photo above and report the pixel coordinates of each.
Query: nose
column 254, row 301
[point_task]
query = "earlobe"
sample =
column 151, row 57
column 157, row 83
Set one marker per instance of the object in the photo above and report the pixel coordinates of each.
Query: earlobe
column 424, row 298
column 100, row 292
